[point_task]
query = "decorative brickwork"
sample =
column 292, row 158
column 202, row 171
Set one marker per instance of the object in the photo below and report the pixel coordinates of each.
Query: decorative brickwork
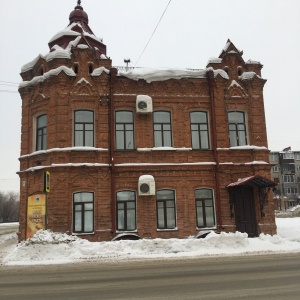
column 89, row 83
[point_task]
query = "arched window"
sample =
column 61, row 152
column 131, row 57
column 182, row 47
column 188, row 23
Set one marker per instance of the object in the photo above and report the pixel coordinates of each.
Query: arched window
column 205, row 211
column 76, row 67
column 199, row 130
column 166, row 210
column 124, row 130
column 126, row 211
column 84, row 128
column 90, row 68
column 237, row 128
column 41, row 133
column 83, row 212
column 162, row 129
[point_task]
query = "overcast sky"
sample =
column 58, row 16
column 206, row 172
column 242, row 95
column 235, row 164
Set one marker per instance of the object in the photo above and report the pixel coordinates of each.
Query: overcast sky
column 191, row 32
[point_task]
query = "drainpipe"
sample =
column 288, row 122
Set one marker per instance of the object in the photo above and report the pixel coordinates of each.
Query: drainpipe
column 210, row 78
column 113, row 74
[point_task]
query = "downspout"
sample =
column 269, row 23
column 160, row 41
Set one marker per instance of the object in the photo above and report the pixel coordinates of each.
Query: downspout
column 210, row 78
column 113, row 74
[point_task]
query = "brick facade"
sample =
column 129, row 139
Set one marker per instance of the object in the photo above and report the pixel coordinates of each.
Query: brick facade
column 104, row 170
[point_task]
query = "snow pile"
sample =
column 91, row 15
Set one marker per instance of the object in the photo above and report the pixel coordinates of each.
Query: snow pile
column 46, row 247
column 48, row 237
column 290, row 213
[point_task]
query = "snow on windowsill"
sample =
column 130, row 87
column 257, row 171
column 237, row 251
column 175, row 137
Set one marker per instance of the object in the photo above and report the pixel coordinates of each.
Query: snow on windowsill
column 163, row 149
column 63, row 149
column 246, row 147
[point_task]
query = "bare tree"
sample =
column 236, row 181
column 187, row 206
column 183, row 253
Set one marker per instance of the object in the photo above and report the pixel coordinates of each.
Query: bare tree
column 9, row 207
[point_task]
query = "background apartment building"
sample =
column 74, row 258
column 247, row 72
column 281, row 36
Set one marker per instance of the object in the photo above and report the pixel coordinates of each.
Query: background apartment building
column 286, row 173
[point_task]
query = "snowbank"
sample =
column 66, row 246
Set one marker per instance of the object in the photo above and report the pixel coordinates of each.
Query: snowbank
column 46, row 247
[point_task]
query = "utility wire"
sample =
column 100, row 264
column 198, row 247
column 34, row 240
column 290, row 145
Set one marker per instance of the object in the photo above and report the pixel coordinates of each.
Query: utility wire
column 8, row 83
column 153, row 33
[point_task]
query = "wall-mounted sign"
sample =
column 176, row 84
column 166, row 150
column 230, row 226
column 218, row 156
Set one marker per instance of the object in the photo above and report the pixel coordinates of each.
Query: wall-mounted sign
column 36, row 214
column 47, row 182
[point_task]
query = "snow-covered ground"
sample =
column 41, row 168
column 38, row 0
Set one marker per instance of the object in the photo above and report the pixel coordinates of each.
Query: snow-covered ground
column 55, row 248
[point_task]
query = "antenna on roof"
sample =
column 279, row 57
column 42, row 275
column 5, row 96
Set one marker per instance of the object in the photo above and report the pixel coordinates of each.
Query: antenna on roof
column 127, row 61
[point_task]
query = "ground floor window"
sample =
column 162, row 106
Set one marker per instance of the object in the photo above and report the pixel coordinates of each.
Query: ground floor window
column 166, row 212
column 83, row 212
column 205, row 208
column 126, row 211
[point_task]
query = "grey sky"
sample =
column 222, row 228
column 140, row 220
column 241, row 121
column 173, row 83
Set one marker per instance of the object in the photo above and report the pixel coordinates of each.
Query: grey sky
column 190, row 33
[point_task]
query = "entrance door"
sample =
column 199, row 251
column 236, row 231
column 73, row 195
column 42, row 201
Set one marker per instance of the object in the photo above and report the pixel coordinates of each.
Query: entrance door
column 245, row 211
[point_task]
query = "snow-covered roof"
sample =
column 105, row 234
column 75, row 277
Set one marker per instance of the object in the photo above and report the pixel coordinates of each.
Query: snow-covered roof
column 58, row 53
column 150, row 74
column 249, row 75
column 253, row 62
column 70, row 32
column 53, row 72
column 214, row 60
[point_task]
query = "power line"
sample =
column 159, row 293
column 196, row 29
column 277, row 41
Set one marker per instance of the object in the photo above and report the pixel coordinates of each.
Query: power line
column 1, row 81
column 8, row 91
column 153, row 32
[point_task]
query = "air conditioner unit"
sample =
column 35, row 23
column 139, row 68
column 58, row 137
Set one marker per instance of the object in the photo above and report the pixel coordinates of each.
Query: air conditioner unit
column 143, row 104
column 146, row 185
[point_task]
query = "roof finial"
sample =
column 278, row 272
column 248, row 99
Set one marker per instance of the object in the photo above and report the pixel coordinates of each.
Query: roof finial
column 79, row 2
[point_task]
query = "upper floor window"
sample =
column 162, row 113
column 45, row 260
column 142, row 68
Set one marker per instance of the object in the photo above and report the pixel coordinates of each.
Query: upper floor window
column 84, row 128
column 162, row 129
column 297, row 168
column 205, row 208
column 199, row 130
column 288, row 155
column 297, row 156
column 83, row 212
column 274, row 156
column 288, row 178
column 41, row 132
column 166, row 213
column 126, row 211
column 237, row 129
column 124, row 130
column 275, row 169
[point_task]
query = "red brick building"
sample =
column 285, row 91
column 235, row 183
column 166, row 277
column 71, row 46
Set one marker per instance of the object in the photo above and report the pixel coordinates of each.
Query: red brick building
column 141, row 152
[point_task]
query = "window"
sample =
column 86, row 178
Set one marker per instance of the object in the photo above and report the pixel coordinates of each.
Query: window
column 199, row 130
column 298, row 168
column 274, row 156
column 41, row 132
column 237, row 129
column 297, row 156
column 83, row 212
column 275, row 169
column 205, row 208
column 288, row 178
column 162, row 129
column 126, row 212
column 165, row 203
column 288, row 155
column 124, row 130
column 291, row 190
column 84, row 128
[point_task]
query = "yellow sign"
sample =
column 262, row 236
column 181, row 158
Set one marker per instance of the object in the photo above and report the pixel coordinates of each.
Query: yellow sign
column 36, row 214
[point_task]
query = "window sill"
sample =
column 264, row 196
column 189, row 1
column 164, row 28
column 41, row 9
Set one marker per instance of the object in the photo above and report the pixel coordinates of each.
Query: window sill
column 83, row 233
column 206, row 228
column 167, row 229
column 126, row 231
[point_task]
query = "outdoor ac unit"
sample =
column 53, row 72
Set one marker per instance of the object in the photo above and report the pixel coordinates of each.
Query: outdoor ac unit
column 146, row 185
column 143, row 104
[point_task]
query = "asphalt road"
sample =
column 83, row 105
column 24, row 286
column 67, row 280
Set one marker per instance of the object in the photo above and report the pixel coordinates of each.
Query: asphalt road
column 252, row 277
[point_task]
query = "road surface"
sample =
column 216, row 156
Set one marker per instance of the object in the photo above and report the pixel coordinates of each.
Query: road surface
column 252, row 277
